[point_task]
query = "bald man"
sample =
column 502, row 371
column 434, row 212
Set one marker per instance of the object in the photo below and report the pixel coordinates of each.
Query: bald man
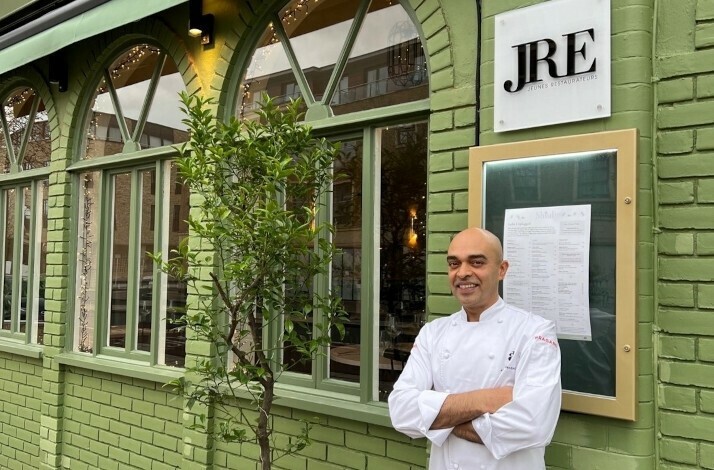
column 483, row 385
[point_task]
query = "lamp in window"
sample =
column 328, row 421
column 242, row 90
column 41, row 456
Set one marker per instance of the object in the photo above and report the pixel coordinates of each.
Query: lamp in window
column 412, row 236
column 200, row 25
column 405, row 58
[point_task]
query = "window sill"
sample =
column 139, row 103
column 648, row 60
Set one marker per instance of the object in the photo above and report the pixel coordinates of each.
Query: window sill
column 332, row 404
column 123, row 367
column 314, row 401
column 21, row 349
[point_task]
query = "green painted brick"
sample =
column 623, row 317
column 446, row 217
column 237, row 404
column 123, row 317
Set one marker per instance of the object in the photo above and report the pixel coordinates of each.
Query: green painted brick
column 440, row 81
column 687, row 426
column 705, row 190
column 318, row 465
column 677, row 450
column 558, row 455
column 679, row 295
column 376, row 462
column 705, row 297
column 440, row 60
column 694, row 269
column 677, row 243
column 438, row 242
column 448, row 222
column 689, row 114
column 461, row 201
column 461, row 159
column 453, row 98
column 682, row 373
column 669, row 91
column 346, row 458
column 679, row 192
column 593, row 459
column 684, row 64
column 406, row 453
column 465, row 117
column 705, row 243
column 677, row 347
column 441, row 202
column 705, row 138
column 705, row 349
column 686, row 322
column 365, row 443
column 450, row 140
column 670, row 142
column 677, row 398
column 704, row 35
column 441, row 121
column 705, row 10
column 442, row 161
column 452, row 181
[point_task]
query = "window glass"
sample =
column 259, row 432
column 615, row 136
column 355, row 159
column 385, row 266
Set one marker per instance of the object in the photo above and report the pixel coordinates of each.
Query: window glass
column 24, row 122
column 87, row 261
column 352, row 56
column 23, row 255
column 402, row 247
column 137, row 98
column 385, row 66
column 118, row 301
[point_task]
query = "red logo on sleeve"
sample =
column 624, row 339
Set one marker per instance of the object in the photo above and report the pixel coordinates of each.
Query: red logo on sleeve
column 546, row 340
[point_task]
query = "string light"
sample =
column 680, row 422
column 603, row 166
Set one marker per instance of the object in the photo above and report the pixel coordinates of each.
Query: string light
column 85, row 261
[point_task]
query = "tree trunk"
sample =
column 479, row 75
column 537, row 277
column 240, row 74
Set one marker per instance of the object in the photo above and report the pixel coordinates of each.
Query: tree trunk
column 264, row 431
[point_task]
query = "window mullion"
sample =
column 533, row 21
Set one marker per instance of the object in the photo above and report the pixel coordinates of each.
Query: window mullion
column 161, row 242
column 149, row 99
column 33, row 257
column 28, row 130
column 134, row 255
column 121, row 122
column 292, row 58
column 345, row 53
column 17, row 261
column 369, row 372
column 8, row 140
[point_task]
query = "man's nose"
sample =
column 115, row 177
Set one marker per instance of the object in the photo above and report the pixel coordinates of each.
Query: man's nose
column 464, row 270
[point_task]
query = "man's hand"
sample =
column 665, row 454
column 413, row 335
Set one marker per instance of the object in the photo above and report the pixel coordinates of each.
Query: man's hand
column 461, row 408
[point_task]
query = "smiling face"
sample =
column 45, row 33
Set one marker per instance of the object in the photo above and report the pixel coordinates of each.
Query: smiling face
column 476, row 266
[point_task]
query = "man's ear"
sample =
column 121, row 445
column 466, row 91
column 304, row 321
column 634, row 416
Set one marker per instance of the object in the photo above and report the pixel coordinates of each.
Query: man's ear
column 502, row 270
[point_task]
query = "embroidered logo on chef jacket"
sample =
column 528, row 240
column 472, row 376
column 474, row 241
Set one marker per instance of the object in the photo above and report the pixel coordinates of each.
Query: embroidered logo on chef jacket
column 509, row 365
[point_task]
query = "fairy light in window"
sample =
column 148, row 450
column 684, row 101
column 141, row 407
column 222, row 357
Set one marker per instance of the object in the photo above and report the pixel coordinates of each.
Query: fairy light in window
column 85, row 263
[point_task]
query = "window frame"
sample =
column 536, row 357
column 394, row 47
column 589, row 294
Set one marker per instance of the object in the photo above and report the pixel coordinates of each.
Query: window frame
column 18, row 178
column 134, row 160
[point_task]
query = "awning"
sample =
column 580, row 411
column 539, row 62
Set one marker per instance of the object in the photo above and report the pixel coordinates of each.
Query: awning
column 99, row 19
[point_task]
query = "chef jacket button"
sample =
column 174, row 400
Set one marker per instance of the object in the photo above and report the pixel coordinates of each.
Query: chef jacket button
column 491, row 355
column 453, row 323
column 446, row 355
column 500, row 320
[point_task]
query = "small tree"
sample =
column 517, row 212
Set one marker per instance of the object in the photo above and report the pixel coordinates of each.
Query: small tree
column 258, row 191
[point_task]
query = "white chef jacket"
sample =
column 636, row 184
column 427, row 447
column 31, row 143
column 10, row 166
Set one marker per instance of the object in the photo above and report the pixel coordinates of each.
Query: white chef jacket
column 507, row 347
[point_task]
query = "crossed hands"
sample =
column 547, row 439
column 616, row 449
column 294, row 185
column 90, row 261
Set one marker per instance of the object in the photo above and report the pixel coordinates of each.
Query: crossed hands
column 459, row 409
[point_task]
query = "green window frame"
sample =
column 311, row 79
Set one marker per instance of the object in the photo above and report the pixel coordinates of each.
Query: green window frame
column 23, row 218
column 365, row 124
column 124, row 307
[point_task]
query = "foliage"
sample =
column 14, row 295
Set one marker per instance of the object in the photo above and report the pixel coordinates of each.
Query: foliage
column 258, row 191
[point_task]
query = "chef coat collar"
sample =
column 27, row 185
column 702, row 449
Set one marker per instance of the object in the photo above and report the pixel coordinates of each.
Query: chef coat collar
column 489, row 314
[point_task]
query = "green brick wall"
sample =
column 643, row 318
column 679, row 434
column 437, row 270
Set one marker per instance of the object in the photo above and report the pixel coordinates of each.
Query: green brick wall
column 685, row 192
column 20, row 412
column 114, row 422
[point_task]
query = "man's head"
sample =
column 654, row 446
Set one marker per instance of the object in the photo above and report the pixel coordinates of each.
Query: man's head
column 476, row 266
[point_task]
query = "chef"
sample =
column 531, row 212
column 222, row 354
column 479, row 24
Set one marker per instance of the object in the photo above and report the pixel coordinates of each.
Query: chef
column 483, row 385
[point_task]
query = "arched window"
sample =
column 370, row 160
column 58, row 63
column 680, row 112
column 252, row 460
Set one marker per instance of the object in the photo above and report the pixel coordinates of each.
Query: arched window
column 131, row 204
column 360, row 68
column 24, row 162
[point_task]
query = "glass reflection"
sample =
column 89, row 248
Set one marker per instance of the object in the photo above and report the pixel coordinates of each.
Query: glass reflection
column 7, row 293
column 146, row 265
column 132, row 76
column 385, row 66
column 24, row 110
column 176, row 290
column 402, row 247
column 347, row 264
column 118, row 302
column 25, row 255
column 41, row 263
column 87, row 267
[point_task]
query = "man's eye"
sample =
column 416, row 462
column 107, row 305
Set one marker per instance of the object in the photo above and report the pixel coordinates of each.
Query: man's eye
column 453, row 264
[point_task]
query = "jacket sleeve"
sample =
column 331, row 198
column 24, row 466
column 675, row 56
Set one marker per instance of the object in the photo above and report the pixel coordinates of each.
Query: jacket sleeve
column 530, row 419
column 413, row 405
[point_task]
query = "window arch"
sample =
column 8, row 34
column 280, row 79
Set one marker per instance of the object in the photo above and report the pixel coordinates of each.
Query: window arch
column 361, row 70
column 130, row 204
column 339, row 56
column 25, row 148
